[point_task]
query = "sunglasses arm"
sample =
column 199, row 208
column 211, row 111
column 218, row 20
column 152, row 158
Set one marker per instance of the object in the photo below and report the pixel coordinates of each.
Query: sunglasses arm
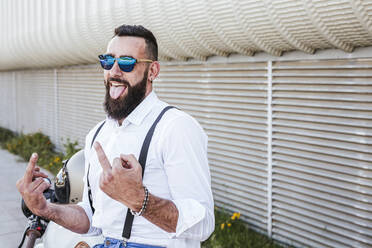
column 145, row 60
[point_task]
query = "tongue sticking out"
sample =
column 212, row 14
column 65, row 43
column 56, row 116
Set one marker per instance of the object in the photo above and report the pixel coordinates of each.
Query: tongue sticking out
column 116, row 91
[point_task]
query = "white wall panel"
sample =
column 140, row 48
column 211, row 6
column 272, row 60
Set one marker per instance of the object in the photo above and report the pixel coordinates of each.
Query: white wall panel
column 229, row 100
column 322, row 160
column 8, row 101
column 81, row 95
column 35, row 102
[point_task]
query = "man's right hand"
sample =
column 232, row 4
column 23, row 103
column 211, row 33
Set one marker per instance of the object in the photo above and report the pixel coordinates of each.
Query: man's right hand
column 32, row 185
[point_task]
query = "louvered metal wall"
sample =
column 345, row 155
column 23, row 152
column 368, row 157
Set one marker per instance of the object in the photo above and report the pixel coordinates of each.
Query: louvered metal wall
column 28, row 101
column 229, row 100
column 8, row 107
column 322, row 152
column 35, row 101
column 62, row 103
column 321, row 135
column 80, row 98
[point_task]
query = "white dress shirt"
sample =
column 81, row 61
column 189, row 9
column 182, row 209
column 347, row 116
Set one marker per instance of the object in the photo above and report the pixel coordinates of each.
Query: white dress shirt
column 176, row 169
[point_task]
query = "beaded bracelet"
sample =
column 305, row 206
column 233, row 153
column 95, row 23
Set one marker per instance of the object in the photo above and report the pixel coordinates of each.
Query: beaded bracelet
column 144, row 204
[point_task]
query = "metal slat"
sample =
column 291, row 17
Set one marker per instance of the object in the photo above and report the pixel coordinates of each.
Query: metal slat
column 328, row 150
column 247, row 160
column 319, row 111
column 339, row 172
column 355, row 196
column 357, row 139
column 343, row 145
column 315, row 209
column 309, row 232
column 337, row 234
column 320, row 103
column 340, row 224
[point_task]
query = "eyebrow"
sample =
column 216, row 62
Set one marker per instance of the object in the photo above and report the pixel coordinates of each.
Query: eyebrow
column 110, row 54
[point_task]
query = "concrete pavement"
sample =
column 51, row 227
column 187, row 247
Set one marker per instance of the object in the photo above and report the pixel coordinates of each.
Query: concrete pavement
column 12, row 220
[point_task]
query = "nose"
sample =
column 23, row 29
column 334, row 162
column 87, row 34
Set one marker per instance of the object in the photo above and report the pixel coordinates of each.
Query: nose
column 115, row 70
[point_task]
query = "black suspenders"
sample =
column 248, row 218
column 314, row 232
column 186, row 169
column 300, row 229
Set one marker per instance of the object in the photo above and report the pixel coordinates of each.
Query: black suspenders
column 89, row 190
column 127, row 229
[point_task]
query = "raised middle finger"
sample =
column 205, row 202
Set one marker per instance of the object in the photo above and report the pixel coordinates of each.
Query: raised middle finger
column 30, row 168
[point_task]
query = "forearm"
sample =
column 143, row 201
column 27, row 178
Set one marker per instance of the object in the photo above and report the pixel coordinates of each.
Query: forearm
column 162, row 213
column 72, row 217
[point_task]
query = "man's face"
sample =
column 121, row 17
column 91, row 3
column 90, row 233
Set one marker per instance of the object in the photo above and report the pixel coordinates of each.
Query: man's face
column 126, row 90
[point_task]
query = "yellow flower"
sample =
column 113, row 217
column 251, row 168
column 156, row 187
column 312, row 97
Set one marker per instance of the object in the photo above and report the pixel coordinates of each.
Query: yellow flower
column 222, row 226
column 228, row 224
column 235, row 216
column 57, row 159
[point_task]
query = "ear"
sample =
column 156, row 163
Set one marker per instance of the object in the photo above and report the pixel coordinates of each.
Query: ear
column 153, row 71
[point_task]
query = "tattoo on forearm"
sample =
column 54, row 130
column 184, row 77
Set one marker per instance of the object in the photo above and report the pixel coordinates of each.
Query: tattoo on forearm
column 71, row 217
column 162, row 213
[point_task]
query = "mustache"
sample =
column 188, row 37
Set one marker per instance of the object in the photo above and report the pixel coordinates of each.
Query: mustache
column 122, row 81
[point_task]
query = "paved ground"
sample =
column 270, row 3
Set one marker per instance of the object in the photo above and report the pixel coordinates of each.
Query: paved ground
column 12, row 220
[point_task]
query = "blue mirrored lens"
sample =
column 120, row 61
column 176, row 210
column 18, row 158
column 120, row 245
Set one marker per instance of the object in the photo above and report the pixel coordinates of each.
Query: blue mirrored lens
column 107, row 62
column 126, row 63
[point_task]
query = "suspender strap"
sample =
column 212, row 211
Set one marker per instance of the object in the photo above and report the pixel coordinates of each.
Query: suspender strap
column 89, row 190
column 127, row 229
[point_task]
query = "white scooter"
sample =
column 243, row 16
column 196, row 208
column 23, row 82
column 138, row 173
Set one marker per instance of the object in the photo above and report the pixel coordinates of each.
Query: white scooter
column 68, row 188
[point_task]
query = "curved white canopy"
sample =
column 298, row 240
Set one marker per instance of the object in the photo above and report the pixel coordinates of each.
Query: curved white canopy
column 36, row 33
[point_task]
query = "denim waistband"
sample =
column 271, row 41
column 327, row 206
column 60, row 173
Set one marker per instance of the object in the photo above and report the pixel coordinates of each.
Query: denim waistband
column 116, row 243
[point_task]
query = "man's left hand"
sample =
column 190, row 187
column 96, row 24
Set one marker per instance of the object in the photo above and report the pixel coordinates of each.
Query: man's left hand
column 123, row 180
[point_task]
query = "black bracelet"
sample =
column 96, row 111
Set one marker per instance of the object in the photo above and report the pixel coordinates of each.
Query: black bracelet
column 144, row 204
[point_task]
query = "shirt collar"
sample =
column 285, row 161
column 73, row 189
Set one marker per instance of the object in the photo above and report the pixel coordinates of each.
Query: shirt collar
column 141, row 111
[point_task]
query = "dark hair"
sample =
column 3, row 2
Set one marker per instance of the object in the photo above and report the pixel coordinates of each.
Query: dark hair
column 140, row 31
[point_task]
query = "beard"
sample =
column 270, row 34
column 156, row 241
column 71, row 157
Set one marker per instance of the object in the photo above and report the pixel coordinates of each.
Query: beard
column 121, row 107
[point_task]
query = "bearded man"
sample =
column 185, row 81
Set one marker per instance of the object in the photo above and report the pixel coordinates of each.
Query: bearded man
column 147, row 179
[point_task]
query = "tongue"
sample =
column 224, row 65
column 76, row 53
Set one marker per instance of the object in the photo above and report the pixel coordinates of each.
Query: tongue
column 116, row 91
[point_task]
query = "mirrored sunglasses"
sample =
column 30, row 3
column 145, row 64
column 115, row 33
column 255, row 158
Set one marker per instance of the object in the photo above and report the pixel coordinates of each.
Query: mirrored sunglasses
column 126, row 64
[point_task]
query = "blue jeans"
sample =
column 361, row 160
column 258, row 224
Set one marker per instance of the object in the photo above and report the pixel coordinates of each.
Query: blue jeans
column 115, row 243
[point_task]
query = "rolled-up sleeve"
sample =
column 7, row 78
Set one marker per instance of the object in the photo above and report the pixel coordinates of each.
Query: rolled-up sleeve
column 184, row 152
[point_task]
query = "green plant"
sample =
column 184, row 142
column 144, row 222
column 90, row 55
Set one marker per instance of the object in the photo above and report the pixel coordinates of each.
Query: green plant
column 5, row 136
column 71, row 148
column 26, row 144
column 231, row 232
